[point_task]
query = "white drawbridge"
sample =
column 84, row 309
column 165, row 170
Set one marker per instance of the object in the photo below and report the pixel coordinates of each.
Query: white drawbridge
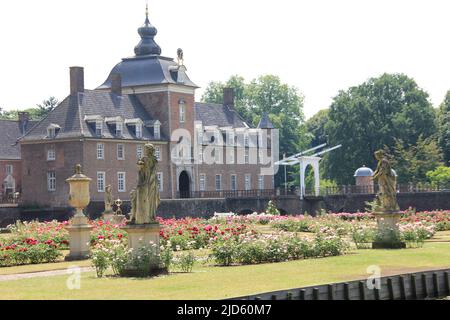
column 304, row 160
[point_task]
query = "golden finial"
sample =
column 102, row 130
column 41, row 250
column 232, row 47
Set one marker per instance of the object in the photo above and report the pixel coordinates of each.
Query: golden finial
column 78, row 169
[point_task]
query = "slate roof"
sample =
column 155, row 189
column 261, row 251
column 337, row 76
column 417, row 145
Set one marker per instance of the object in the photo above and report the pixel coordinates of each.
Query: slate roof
column 70, row 116
column 265, row 122
column 10, row 132
column 148, row 70
column 213, row 114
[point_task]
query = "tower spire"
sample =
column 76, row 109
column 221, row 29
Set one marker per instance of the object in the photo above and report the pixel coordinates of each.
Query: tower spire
column 147, row 45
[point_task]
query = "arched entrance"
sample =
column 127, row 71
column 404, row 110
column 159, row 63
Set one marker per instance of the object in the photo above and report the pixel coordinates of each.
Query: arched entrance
column 184, row 183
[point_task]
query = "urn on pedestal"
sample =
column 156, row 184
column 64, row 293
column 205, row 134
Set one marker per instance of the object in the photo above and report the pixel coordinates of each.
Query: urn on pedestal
column 79, row 229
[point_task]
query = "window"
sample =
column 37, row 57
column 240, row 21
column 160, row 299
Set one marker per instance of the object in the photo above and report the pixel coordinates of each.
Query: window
column 231, row 155
column 233, row 182
column 51, row 154
column 200, row 155
column 261, row 182
column 139, row 152
column 218, row 182
column 121, row 183
column 158, row 153
column 182, row 106
column 119, row 129
column 231, row 138
column 157, row 131
column 100, row 151
column 159, row 175
column 246, row 140
column 100, row 181
column 51, row 181
column 248, row 182
column 120, row 152
column 247, row 156
column 202, row 182
column 51, row 133
column 9, row 169
column 98, row 128
column 138, row 130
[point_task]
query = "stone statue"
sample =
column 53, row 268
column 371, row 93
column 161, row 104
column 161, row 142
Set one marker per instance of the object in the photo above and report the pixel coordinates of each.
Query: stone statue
column 147, row 192
column 133, row 205
column 108, row 199
column 387, row 196
column 180, row 57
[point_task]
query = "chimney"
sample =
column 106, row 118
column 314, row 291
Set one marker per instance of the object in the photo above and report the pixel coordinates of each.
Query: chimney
column 76, row 80
column 24, row 117
column 228, row 97
column 116, row 84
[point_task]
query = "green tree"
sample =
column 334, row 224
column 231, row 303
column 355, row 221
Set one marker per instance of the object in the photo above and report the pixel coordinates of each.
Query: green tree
column 413, row 162
column 372, row 115
column 315, row 126
column 37, row 113
column 441, row 175
column 443, row 120
column 282, row 102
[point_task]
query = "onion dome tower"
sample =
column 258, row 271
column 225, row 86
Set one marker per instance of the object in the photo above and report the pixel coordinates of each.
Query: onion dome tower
column 147, row 45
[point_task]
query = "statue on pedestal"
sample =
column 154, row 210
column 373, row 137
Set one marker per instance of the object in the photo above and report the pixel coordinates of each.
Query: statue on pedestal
column 145, row 200
column 387, row 181
column 108, row 199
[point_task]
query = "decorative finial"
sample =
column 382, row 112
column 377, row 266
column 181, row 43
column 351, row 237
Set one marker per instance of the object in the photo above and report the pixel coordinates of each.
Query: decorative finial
column 147, row 46
column 78, row 169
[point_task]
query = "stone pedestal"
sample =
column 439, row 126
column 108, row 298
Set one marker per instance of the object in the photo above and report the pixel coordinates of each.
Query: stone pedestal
column 144, row 236
column 108, row 216
column 79, row 238
column 388, row 232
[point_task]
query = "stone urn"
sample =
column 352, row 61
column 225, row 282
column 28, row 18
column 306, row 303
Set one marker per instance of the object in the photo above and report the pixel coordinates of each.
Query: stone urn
column 79, row 229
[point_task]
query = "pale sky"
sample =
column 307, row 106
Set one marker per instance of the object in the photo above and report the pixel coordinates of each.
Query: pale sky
column 319, row 46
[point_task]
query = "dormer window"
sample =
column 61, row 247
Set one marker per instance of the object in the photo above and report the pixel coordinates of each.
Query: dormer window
column 52, row 131
column 119, row 128
column 139, row 130
column 182, row 107
column 157, row 131
column 98, row 128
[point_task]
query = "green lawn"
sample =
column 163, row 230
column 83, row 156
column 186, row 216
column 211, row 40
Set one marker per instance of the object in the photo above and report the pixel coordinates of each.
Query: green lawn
column 207, row 282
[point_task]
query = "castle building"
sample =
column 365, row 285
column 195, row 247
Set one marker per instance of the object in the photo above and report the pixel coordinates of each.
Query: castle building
column 10, row 159
column 203, row 149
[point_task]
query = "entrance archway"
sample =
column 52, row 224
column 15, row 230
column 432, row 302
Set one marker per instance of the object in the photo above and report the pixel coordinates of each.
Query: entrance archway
column 184, row 183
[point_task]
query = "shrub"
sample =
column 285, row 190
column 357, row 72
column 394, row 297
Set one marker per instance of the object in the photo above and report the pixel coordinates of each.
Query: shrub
column 186, row 261
column 362, row 235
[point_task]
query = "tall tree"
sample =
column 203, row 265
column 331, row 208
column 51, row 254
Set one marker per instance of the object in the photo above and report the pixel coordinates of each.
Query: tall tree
column 282, row 102
column 413, row 162
column 315, row 126
column 444, row 128
column 40, row 111
column 373, row 115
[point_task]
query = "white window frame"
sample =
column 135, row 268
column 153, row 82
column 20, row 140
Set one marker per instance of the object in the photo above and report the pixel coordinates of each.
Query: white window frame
column 158, row 153
column 157, row 131
column 139, row 152
column 9, row 168
column 51, row 154
column 160, row 177
column 247, row 156
column 261, row 182
column 51, row 181
column 99, row 128
column 120, row 151
column 218, row 182
column 231, row 155
column 51, row 133
column 248, row 182
column 182, row 108
column 119, row 128
column 100, row 151
column 233, row 180
column 123, row 181
column 101, row 181
column 138, row 130
column 202, row 182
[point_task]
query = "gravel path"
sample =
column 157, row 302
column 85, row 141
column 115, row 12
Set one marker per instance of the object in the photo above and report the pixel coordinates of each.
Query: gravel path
column 19, row 276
